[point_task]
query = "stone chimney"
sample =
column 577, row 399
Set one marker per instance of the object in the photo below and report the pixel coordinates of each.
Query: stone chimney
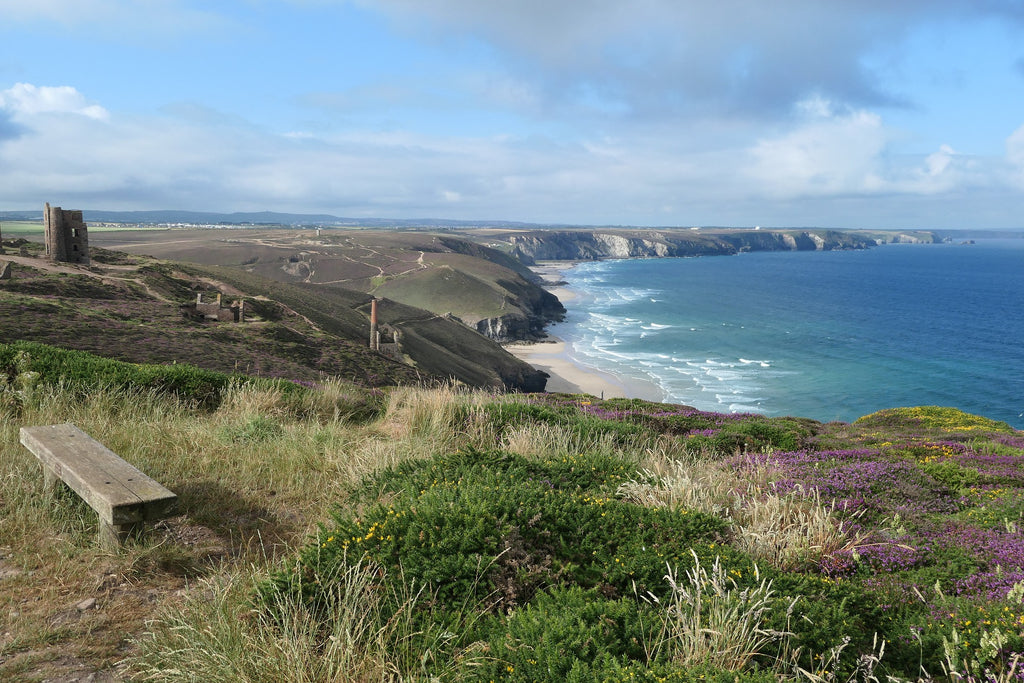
column 374, row 337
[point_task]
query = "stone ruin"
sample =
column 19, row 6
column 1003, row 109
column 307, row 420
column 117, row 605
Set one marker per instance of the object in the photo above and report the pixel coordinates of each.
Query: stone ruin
column 5, row 270
column 67, row 237
column 214, row 310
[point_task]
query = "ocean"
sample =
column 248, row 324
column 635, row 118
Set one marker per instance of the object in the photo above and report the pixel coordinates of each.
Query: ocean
column 827, row 335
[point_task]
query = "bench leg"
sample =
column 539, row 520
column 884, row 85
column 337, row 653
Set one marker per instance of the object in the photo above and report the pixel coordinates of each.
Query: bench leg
column 113, row 536
column 49, row 480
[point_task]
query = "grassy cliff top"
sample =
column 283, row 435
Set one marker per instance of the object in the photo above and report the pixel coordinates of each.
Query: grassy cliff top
column 338, row 533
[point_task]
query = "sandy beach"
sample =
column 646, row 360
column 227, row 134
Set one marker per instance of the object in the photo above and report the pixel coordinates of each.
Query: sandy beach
column 554, row 356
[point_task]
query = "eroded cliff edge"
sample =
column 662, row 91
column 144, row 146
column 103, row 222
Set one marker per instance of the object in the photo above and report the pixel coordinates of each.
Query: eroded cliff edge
column 586, row 245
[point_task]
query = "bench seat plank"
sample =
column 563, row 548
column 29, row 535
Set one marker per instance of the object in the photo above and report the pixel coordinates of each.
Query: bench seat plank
column 120, row 493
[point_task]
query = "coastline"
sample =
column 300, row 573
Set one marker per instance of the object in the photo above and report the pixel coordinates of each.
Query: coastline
column 554, row 356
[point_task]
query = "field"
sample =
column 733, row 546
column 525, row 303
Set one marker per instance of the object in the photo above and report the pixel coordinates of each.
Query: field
column 439, row 534
column 35, row 228
column 20, row 228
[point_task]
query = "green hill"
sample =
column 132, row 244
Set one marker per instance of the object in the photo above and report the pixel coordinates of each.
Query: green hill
column 487, row 289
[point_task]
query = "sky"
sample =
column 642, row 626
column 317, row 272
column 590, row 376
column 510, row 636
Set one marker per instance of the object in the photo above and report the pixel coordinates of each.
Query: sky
column 850, row 114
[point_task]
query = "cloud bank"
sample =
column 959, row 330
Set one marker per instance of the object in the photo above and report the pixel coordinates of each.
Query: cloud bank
column 645, row 113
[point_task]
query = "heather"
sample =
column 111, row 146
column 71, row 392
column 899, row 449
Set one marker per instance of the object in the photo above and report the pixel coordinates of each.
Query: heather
column 334, row 533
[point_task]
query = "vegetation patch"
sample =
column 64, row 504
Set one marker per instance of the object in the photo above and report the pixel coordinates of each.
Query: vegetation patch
column 27, row 364
column 337, row 533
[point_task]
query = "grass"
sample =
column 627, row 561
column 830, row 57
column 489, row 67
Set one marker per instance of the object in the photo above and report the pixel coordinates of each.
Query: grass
column 709, row 619
column 217, row 636
column 241, row 505
column 418, row 534
column 793, row 530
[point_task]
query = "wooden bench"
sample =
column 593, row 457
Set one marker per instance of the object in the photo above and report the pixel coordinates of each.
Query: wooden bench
column 123, row 496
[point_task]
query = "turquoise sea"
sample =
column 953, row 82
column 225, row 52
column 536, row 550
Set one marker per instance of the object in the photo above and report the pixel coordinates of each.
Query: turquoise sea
column 827, row 335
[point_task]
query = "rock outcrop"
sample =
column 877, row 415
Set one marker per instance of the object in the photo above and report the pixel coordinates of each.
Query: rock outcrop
column 512, row 327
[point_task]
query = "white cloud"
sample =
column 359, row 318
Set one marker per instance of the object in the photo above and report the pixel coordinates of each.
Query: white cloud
column 1015, row 146
column 825, row 153
column 712, row 175
column 25, row 100
column 1015, row 154
column 937, row 162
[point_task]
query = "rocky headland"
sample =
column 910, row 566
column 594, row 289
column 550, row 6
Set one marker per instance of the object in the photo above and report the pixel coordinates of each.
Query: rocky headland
column 586, row 245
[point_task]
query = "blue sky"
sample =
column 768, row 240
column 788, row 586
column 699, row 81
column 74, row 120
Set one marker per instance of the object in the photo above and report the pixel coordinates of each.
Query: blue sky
column 868, row 113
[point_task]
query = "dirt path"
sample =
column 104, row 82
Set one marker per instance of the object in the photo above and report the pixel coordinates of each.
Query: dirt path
column 103, row 272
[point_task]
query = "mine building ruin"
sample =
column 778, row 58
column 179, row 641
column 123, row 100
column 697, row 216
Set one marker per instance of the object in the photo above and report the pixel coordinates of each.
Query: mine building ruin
column 384, row 339
column 67, row 237
column 214, row 310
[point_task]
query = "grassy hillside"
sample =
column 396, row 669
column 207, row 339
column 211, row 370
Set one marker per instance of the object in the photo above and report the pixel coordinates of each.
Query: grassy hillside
column 440, row 273
column 129, row 308
column 423, row 289
column 438, row 347
column 411, row 534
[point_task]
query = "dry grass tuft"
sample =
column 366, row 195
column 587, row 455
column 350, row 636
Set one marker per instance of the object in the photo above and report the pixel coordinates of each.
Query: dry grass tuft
column 708, row 620
column 541, row 440
column 356, row 634
column 433, row 413
column 788, row 531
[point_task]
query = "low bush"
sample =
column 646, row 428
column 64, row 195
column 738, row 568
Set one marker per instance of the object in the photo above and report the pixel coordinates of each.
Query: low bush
column 496, row 530
column 932, row 417
column 569, row 634
column 79, row 371
column 478, row 524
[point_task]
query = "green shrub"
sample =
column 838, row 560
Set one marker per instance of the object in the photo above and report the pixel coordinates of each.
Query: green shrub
column 950, row 474
column 493, row 529
column 79, row 371
column 933, row 417
column 568, row 634
column 673, row 673
column 756, row 435
column 827, row 612
column 593, row 472
column 504, row 526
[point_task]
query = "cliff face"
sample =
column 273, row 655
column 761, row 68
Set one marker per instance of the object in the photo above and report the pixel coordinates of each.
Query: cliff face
column 566, row 245
column 534, row 308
